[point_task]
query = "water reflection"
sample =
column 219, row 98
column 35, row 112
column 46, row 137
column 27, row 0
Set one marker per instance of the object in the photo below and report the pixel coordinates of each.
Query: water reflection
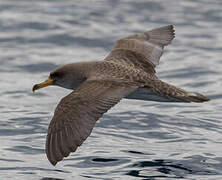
column 49, row 178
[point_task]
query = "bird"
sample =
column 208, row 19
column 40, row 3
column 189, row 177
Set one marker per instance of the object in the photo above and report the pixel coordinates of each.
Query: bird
column 128, row 72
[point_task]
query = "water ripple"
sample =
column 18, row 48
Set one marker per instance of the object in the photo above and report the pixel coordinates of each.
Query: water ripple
column 136, row 139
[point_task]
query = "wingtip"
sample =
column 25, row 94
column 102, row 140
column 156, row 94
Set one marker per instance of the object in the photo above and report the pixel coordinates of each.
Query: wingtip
column 53, row 163
column 171, row 27
column 171, row 32
column 162, row 35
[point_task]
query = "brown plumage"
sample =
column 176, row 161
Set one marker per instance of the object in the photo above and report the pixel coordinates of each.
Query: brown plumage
column 127, row 72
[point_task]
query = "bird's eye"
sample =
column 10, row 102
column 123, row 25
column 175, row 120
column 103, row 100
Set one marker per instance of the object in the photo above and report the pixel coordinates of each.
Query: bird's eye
column 54, row 75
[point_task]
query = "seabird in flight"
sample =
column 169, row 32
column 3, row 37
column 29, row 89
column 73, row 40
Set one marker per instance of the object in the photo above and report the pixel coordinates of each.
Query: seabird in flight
column 127, row 72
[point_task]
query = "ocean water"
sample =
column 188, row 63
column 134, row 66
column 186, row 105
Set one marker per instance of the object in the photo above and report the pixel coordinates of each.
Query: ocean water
column 135, row 139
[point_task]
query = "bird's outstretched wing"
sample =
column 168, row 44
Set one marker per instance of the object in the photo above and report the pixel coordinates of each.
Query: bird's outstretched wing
column 142, row 50
column 77, row 113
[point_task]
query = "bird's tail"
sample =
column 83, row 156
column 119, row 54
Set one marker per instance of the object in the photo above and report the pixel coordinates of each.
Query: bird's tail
column 171, row 92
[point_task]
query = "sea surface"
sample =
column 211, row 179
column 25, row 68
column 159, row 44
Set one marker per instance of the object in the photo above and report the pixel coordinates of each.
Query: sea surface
column 135, row 139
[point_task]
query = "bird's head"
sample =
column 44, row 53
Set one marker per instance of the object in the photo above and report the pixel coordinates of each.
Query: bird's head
column 63, row 76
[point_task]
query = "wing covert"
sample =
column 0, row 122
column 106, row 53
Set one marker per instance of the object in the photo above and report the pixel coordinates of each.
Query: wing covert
column 147, row 48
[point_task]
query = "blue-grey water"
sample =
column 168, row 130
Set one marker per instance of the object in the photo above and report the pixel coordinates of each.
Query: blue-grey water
column 135, row 139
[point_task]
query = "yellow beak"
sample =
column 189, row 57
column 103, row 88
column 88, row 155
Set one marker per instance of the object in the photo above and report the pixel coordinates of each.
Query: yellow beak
column 47, row 82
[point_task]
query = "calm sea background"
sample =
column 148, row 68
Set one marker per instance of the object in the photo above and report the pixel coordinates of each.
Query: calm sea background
column 135, row 139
